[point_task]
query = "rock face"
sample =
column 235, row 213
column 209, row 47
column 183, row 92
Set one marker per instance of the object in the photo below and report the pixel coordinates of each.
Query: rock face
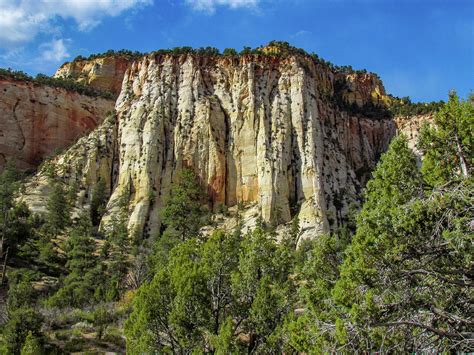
column 105, row 73
column 411, row 126
column 257, row 130
column 362, row 88
column 36, row 121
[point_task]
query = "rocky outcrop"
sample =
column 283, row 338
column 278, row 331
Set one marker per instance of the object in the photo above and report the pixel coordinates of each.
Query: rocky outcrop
column 258, row 130
column 362, row 88
column 104, row 73
column 411, row 126
column 37, row 121
column 89, row 159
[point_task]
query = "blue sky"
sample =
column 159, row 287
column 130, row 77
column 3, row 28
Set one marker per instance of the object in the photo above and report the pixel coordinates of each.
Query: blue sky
column 420, row 48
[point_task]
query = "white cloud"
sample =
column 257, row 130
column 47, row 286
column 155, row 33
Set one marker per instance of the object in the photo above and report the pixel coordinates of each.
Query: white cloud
column 22, row 20
column 300, row 34
column 54, row 51
column 210, row 5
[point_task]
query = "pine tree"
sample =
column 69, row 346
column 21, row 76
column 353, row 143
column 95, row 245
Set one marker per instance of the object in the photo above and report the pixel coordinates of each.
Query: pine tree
column 15, row 227
column 448, row 143
column 83, row 278
column 21, row 323
column 204, row 284
column 403, row 280
column 32, row 345
column 58, row 209
column 98, row 202
column 182, row 213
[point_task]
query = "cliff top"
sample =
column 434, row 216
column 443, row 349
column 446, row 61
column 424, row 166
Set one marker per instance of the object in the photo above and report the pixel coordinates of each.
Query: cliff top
column 42, row 79
column 272, row 49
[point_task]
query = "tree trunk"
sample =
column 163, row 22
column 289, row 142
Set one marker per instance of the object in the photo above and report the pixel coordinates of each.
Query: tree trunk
column 462, row 160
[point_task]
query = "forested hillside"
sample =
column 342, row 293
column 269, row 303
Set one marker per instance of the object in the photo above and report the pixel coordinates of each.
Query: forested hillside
column 397, row 277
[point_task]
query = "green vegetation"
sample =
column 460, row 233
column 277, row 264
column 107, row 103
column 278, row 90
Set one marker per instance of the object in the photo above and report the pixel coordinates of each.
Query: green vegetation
column 400, row 282
column 68, row 84
column 182, row 214
column 282, row 49
column 98, row 202
column 230, row 52
column 404, row 107
column 132, row 55
column 59, row 255
column 203, row 51
column 32, row 346
column 205, row 287
column 448, row 148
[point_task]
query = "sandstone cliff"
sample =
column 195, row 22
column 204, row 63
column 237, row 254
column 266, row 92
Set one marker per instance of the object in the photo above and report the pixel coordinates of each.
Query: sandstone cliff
column 260, row 130
column 38, row 120
column 104, row 73
column 411, row 126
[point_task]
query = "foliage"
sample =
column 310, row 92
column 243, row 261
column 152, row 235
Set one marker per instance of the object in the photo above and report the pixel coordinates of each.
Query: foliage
column 192, row 299
column 98, row 202
column 182, row 213
column 117, row 259
column 405, row 107
column 448, row 144
column 230, row 52
column 100, row 318
column 401, row 283
column 32, row 345
column 131, row 55
column 15, row 226
column 208, row 51
column 84, row 277
column 58, row 209
column 42, row 79
column 21, row 292
column 246, row 51
column 21, row 323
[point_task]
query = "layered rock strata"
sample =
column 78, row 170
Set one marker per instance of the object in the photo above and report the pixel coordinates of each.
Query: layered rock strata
column 104, row 73
column 257, row 130
column 36, row 121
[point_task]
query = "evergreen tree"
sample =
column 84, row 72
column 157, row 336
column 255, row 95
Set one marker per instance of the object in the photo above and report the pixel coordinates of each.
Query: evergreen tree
column 262, row 275
column 20, row 291
column 400, row 284
column 148, row 328
column 192, row 299
column 58, row 209
column 101, row 318
column 15, row 227
column 21, row 323
column 32, row 345
column 230, row 52
column 98, row 202
column 83, row 277
column 448, row 144
column 182, row 213
column 118, row 261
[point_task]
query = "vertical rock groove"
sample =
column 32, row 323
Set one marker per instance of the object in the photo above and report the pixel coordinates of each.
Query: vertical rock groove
column 261, row 130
